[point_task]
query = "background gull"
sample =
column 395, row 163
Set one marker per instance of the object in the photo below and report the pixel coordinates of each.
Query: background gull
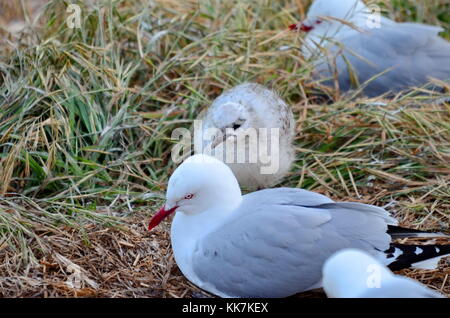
column 249, row 106
column 269, row 243
column 65, row 183
column 352, row 273
column 362, row 48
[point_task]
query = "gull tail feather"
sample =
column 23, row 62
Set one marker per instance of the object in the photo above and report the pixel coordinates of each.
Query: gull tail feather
column 400, row 256
column 397, row 232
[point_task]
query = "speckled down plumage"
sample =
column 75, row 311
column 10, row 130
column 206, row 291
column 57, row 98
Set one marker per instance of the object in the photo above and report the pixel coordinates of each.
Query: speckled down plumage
column 251, row 106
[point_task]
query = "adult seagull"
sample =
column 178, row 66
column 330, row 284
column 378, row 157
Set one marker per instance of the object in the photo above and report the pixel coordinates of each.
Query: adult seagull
column 269, row 243
column 352, row 273
column 360, row 47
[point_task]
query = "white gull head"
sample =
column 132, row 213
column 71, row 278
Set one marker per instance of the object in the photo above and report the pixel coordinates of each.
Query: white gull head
column 325, row 16
column 327, row 19
column 201, row 183
column 203, row 192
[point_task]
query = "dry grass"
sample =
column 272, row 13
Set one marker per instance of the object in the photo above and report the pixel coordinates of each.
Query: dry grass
column 100, row 262
column 85, row 123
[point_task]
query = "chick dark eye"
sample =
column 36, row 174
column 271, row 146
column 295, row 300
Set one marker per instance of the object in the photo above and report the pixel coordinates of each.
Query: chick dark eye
column 238, row 124
column 189, row 196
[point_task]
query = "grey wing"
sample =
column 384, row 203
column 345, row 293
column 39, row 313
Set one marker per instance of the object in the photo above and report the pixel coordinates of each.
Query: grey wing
column 426, row 29
column 305, row 198
column 401, row 55
column 364, row 225
column 285, row 196
column 277, row 250
column 253, row 258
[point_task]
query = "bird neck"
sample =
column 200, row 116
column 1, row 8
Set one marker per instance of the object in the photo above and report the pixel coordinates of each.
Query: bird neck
column 314, row 42
column 361, row 21
column 188, row 230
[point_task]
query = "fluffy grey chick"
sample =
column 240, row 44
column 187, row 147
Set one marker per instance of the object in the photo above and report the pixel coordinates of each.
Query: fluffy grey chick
column 251, row 129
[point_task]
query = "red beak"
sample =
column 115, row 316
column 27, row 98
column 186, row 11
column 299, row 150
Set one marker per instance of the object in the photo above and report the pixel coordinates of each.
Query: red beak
column 161, row 215
column 293, row 27
column 300, row 26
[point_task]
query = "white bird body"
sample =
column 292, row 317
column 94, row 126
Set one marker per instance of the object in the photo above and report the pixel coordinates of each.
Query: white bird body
column 269, row 243
column 234, row 115
column 388, row 57
column 352, row 273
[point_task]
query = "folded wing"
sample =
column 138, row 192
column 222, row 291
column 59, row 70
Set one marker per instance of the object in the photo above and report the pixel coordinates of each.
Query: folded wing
column 393, row 57
column 278, row 241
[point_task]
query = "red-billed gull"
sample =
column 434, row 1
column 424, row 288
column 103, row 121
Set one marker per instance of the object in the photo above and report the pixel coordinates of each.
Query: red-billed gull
column 361, row 46
column 269, row 243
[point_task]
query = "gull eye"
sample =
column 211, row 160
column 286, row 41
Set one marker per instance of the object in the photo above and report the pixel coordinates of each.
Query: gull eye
column 238, row 124
column 189, row 196
column 318, row 21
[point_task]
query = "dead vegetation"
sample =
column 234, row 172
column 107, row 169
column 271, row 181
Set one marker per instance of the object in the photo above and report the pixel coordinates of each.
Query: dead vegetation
column 85, row 122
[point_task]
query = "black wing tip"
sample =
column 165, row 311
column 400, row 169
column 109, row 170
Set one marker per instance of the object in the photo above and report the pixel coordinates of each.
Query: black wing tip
column 412, row 254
